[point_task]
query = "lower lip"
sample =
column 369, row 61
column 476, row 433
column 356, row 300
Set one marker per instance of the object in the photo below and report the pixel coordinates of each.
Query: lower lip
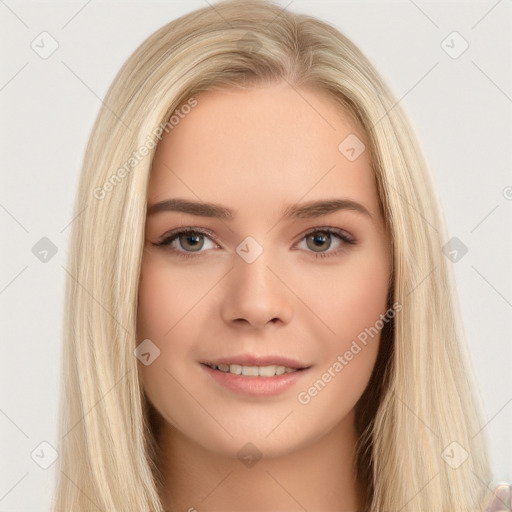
column 255, row 386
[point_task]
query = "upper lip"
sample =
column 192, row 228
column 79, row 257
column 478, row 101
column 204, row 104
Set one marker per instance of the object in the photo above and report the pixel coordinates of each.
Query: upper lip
column 253, row 360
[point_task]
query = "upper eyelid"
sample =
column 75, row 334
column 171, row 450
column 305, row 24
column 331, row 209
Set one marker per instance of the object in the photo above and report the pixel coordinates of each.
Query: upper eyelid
column 186, row 229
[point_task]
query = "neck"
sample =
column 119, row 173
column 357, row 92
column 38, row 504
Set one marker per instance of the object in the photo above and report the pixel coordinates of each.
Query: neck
column 320, row 476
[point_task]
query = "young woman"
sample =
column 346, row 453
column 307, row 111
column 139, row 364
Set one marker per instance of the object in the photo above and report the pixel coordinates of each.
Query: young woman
column 260, row 316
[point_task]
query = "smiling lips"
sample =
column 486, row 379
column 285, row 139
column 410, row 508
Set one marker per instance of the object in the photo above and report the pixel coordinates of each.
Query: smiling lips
column 256, row 366
column 256, row 376
column 253, row 371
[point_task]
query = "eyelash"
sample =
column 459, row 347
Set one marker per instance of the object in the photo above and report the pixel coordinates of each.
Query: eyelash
column 173, row 235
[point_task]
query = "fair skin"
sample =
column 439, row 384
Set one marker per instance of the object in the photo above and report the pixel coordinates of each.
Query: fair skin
column 257, row 152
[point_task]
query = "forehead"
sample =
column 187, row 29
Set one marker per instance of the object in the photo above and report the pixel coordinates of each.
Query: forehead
column 263, row 147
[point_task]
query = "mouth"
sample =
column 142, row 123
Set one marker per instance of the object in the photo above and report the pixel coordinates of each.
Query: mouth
column 256, row 376
column 253, row 371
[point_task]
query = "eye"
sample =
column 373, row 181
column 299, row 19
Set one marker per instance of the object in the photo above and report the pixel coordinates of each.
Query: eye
column 188, row 242
column 319, row 241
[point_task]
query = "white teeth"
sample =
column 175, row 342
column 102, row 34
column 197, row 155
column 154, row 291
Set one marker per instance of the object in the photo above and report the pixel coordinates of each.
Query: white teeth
column 235, row 368
column 253, row 371
column 250, row 370
column 267, row 371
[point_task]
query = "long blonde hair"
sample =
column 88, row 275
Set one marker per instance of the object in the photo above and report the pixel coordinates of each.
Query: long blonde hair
column 420, row 398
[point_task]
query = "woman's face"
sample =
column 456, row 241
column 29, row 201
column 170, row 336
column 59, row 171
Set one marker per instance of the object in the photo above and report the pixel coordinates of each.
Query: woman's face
column 261, row 283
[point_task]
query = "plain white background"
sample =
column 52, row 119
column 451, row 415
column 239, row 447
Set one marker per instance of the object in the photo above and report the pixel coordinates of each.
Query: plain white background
column 460, row 107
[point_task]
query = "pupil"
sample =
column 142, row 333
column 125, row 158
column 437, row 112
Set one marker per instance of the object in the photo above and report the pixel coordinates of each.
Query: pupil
column 321, row 239
column 196, row 241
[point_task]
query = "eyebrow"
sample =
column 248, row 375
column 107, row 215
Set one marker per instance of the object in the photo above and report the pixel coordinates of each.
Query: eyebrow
column 307, row 210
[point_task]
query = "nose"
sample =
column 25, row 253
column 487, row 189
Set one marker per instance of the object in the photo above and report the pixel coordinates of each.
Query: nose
column 256, row 294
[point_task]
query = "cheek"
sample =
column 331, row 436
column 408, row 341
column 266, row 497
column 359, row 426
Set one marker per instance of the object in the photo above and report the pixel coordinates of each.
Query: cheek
column 165, row 297
column 363, row 298
column 350, row 298
column 152, row 301
column 352, row 305
column 160, row 310
column 162, row 318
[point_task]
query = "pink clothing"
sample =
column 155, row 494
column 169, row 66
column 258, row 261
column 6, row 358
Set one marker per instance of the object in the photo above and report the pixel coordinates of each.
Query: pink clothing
column 499, row 500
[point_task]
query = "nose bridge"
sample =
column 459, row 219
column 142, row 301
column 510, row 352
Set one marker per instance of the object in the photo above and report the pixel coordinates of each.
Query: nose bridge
column 255, row 277
column 255, row 293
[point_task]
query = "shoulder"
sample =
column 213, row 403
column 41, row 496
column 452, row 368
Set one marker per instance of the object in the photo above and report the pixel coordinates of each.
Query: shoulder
column 499, row 499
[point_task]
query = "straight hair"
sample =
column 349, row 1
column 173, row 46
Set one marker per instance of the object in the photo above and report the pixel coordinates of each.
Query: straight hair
column 421, row 396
